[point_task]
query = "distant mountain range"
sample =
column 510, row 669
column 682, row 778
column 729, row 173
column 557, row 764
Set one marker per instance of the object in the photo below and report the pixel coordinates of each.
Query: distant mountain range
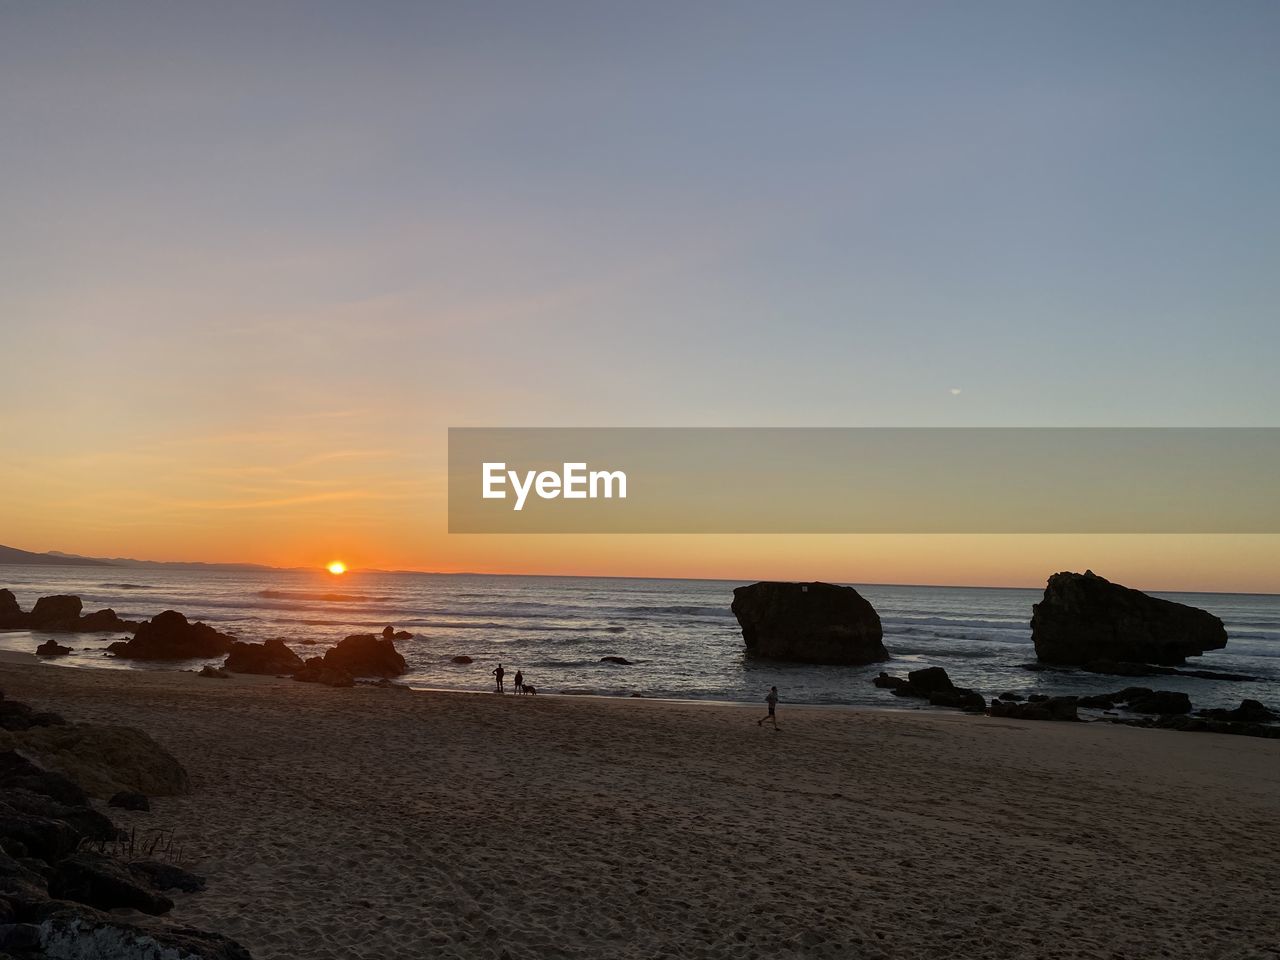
column 12, row 555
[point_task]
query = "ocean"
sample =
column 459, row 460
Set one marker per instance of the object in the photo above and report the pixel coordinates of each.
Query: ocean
column 680, row 636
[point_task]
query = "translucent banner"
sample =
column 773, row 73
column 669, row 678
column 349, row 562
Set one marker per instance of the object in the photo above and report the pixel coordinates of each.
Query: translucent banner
column 864, row 480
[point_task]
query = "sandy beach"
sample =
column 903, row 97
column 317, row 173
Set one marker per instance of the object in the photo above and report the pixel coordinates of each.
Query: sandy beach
column 382, row 823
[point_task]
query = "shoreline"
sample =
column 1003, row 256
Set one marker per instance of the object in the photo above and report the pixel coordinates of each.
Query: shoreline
column 340, row 823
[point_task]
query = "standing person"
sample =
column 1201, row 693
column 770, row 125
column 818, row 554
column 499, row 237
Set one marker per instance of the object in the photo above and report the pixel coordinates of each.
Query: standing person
column 519, row 682
column 772, row 701
column 498, row 674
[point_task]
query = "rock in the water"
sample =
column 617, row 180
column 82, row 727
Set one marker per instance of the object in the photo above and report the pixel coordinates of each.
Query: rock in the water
column 1249, row 711
column 366, row 655
column 1049, row 708
column 620, row 661
column 809, row 623
column 264, row 658
column 54, row 612
column 1084, row 618
column 51, row 648
column 933, row 684
column 10, row 611
column 315, row 670
column 102, row 759
column 1161, row 701
column 462, row 659
column 129, row 800
column 216, row 673
column 886, row 682
column 168, row 636
column 105, row 883
column 929, row 680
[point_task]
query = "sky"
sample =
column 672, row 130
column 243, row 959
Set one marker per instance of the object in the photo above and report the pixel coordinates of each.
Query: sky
column 255, row 259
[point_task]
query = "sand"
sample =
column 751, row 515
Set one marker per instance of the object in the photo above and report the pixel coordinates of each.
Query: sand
column 379, row 823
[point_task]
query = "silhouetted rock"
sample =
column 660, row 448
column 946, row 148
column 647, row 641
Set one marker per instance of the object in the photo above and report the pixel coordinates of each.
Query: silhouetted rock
column 1050, row 708
column 929, row 680
column 102, row 759
column 215, row 673
column 1249, row 711
column 1161, row 701
column 365, row 655
column 165, row 876
column 932, row 684
column 808, row 623
column 390, row 633
column 887, row 682
column 129, row 800
column 54, row 612
column 51, row 648
column 88, row 822
column 271, row 657
column 41, row 837
column 85, row 932
column 168, row 636
column 105, row 883
column 10, row 611
column 316, row 670
column 104, row 620
column 462, row 659
column 1010, row 697
column 1084, row 618
column 621, row 661
column 20, row 772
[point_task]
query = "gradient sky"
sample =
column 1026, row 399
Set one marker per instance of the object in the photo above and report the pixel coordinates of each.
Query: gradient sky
column 256, row 258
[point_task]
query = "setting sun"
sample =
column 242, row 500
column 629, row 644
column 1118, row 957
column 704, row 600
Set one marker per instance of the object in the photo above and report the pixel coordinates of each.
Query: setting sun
column 337, row 567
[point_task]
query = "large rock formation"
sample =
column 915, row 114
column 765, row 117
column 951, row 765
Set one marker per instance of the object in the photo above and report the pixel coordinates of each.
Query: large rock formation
column 104, row 759
column 266, row 658
column 1084, row 618
column 168, row 636
column 808, row 622
column 365, row 655
column 58, row 614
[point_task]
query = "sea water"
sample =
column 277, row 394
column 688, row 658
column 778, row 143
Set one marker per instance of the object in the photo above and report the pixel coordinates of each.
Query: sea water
column 680, row 637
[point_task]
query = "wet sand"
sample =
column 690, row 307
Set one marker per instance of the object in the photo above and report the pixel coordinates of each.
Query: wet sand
column 379, row 823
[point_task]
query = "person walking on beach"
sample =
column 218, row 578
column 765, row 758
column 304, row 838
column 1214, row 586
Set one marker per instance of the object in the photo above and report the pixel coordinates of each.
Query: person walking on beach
column 498, row 674
column 519, row 682
column 772, row 701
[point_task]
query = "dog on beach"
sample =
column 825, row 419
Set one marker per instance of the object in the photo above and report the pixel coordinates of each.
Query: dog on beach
column 529, row 689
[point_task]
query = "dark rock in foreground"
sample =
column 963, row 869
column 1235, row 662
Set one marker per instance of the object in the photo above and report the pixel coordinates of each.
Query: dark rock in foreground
column 169, row 636
column 462, row 659
column 620, row 661
column 166, row 876
column 105, row 883
column 1084, row 618
column 809, row 623
column 215, row 673
column 102, row 759
column 272, row 657
column 390, row 633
